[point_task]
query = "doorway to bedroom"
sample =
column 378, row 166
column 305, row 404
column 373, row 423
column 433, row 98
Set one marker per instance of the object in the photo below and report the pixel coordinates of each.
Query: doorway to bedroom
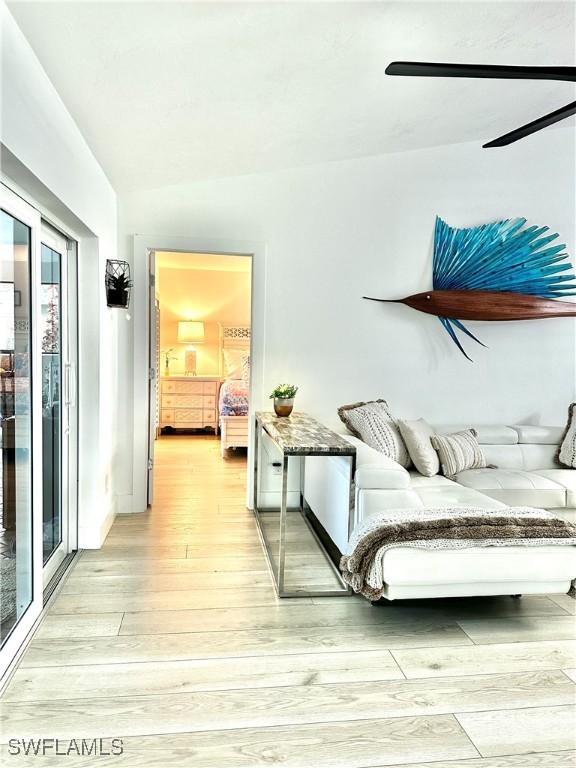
column 200, row 338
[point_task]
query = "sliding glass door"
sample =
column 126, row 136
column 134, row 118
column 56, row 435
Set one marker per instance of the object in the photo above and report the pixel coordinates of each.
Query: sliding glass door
column 56, row 332
column 16, row 545
column 37, row 416
column 20, row 580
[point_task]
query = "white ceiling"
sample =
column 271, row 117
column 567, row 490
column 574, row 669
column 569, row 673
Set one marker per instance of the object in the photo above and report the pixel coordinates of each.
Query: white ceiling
column 167, row 92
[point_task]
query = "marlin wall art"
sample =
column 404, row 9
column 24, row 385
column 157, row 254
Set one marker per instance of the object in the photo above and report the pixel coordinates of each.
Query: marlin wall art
column 499, row 271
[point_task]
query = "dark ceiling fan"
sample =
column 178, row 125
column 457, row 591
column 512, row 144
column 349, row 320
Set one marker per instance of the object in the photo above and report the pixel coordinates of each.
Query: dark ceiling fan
column 426, row 69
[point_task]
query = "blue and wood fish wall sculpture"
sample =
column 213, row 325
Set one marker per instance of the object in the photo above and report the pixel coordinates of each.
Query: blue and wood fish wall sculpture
column 499, row 271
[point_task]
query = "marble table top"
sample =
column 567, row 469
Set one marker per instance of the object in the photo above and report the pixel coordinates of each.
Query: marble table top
column 300, row 434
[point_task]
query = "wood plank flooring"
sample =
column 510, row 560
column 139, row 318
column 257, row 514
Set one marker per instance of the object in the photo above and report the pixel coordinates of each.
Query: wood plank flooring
column 171, row 639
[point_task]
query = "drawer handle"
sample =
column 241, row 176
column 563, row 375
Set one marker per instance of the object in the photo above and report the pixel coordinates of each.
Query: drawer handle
column 276, row 464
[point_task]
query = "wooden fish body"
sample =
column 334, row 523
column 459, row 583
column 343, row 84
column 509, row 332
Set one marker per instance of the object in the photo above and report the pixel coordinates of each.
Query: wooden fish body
column 487, row 305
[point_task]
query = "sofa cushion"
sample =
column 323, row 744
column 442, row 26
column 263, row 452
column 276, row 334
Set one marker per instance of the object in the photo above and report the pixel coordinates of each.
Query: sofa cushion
column 411, row 566
column 564, row 477
column 382, row 475
column 416, row 436
column 529, row 433
column 373, row 468
column 487, row 434
column 422, row 481
column 539, row 456
column 455, row 495
column 528, row 457
column 504, row 456
column 515, row 487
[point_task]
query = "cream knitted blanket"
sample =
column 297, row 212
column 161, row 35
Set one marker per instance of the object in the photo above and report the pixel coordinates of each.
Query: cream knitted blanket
column 447, row 528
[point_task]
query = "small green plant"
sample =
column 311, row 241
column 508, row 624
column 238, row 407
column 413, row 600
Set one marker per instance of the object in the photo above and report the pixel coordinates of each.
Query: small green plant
column 168, row 356
column 284, row 391
column 118, row 282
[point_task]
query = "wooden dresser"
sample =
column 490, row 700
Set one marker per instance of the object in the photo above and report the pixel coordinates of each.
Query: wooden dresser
column 189, row 402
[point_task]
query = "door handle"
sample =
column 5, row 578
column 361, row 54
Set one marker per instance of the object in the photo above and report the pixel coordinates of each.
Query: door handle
column 69, row 385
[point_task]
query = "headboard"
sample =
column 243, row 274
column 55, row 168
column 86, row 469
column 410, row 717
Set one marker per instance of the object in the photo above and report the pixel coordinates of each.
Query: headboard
column 232, row 337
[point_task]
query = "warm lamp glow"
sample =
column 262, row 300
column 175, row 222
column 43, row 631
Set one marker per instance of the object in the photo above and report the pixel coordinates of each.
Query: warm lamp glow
column 190, row 331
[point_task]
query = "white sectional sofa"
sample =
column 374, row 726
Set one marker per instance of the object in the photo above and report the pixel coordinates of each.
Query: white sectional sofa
column 526, row 474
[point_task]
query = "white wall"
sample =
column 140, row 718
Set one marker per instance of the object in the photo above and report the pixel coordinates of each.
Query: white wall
column 338, row 231
column 51, row 164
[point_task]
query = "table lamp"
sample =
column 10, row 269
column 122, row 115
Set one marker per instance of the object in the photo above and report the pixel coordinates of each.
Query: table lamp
column 190, row 332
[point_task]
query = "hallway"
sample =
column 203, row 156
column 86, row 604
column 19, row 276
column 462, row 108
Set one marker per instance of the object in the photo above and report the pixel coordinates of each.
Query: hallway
column 172, row 639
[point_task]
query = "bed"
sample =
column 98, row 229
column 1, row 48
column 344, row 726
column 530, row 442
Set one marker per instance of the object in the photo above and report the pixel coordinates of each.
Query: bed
column 233, row 400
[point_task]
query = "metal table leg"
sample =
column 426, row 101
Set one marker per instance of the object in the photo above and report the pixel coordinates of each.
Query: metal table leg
column 283, row 513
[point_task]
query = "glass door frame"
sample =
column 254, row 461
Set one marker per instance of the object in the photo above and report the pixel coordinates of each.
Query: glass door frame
column 68, row 410
column 17, row 208
column 42, row 230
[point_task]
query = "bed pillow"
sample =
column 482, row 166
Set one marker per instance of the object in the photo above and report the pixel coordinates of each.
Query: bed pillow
column 233, row 361
column 567, row 453
column 458, row 451
column 373, row 423
column 245, row 369
column 416, row 436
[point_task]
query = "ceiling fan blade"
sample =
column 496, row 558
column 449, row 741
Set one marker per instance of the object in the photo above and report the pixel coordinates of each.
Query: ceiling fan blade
column 535, row 125
column 436, row 69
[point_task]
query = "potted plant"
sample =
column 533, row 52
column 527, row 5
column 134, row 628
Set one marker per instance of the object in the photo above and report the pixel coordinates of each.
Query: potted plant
column 283, row 396
column 168, row 357
column 117, row 290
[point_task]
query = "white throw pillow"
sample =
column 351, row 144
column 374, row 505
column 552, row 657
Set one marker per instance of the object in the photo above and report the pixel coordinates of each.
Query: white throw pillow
column 373, row 423
column 416, row 436
column 458, row 451
column 234, row 359
column 567, row 453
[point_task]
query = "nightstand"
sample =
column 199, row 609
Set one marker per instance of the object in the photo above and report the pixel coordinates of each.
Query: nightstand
column 189, row 402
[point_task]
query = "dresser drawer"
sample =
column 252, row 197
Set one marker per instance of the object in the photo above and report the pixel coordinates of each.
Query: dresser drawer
column 183, row 387
column 209, row 416
column 189, row 387
column 167, row 415
column 210, row 388
column 209, row 401
column 182, row 401
column 188, row 415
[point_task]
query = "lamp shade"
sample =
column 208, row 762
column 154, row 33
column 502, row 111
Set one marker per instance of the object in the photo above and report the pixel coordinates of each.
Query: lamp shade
column 190, row 331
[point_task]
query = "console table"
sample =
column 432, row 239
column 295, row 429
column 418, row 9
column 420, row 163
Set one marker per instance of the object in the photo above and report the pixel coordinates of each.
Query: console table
column 298, row 435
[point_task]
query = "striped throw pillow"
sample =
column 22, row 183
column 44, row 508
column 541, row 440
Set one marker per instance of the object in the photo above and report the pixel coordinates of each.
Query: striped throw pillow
column 373, row 423
column 567, row 454
column 458, row 452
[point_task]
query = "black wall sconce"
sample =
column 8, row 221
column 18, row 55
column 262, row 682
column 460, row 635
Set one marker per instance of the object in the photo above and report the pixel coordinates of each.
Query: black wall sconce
column 118, row 283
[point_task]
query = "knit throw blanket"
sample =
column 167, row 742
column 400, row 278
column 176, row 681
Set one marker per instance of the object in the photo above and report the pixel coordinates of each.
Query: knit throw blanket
column 448, row 528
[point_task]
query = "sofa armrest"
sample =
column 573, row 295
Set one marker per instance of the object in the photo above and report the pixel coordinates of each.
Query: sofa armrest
column 375, row 470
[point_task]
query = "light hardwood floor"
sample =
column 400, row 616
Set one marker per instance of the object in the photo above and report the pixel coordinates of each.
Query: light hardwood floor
column 171, row 638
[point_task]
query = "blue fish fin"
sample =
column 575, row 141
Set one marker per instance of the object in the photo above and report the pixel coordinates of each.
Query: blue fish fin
column 465, row 330
column 506, row 255
column 447, row 323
